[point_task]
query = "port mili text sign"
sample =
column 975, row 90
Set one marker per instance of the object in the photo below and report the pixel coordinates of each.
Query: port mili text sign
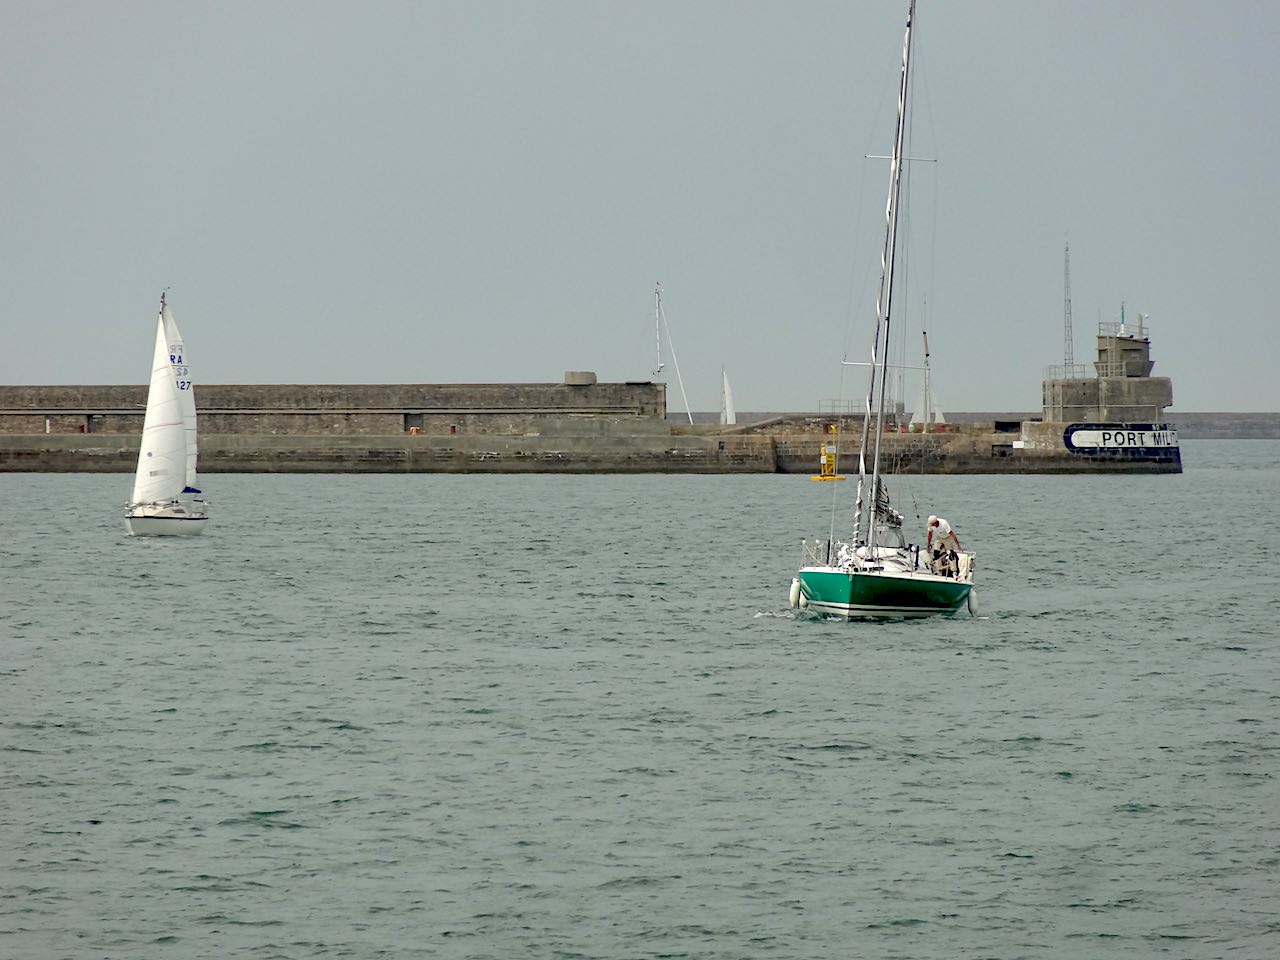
column 1135, row 439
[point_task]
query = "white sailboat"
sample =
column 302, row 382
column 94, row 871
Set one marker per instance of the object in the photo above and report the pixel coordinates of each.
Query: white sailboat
column 927, row 411
column 166, row 500
column 728, row 414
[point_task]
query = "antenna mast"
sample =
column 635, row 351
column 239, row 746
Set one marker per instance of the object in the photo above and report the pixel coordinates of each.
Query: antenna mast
column 1068, row 348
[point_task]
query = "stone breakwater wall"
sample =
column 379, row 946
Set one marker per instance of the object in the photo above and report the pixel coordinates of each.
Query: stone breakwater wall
column 405, row 454
column 576, row 426
column 959, row 453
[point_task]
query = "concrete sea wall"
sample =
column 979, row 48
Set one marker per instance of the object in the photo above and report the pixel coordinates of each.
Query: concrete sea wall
column 404, row 454
column 713, row 453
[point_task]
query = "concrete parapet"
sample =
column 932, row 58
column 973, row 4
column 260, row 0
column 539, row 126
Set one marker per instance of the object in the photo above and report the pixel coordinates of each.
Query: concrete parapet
column 1108, row 399
column 348, row 409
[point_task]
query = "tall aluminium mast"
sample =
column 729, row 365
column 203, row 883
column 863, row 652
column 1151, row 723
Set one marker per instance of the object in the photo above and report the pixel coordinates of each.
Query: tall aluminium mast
column 864, row 518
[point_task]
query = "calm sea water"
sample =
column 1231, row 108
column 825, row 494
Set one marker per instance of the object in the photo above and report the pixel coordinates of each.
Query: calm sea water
column 573, row 717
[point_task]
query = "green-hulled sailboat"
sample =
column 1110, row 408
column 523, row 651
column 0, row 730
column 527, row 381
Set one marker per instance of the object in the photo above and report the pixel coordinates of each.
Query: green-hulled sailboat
column 878, row 574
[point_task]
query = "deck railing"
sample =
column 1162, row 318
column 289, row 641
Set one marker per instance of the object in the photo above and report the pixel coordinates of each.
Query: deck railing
column 1068, row 371
column 819, row 552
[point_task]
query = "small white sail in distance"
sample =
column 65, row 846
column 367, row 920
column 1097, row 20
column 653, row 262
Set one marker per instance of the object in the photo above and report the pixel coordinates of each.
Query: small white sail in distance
column 728, row 414
column 927, row 409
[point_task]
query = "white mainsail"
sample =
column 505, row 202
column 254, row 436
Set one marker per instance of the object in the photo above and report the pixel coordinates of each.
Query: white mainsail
column 181, row 371
column 728, row 415
column 162, row 460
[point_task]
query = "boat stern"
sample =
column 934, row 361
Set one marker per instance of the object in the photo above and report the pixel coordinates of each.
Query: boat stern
column 875, row 594
column 181, row 518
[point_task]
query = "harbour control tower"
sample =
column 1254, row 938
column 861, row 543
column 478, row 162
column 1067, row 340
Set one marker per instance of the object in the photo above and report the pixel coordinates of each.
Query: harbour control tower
column 1119, row 389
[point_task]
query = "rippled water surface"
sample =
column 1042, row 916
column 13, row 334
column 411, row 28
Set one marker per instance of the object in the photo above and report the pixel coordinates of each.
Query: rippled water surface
column 573, row 717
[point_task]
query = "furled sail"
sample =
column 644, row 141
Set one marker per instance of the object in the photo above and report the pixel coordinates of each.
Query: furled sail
column 884, row 510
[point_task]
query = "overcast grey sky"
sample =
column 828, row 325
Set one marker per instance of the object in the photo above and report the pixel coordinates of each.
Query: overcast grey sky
column 488, row 191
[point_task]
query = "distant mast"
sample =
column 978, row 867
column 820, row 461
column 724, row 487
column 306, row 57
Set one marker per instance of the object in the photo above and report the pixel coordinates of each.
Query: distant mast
column 660, row 323
column 657, row 328
column 927, row 390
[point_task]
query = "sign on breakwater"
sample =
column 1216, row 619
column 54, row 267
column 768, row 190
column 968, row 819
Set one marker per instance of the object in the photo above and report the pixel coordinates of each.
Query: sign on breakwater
column 1150, row 441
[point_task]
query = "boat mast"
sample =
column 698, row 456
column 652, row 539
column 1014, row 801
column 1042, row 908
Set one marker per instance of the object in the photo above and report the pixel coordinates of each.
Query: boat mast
column 660, row 321
column 928, row 393
column 864, row 522
column 657, row 326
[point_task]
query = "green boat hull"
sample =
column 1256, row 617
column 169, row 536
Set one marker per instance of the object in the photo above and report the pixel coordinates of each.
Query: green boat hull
column 862, row 595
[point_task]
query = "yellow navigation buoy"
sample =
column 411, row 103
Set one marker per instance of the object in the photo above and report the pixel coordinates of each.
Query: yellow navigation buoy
column 827, row 464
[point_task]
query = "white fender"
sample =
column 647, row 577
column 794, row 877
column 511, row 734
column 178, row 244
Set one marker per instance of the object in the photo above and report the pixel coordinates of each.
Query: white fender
column 973, row 602
column 796, row 595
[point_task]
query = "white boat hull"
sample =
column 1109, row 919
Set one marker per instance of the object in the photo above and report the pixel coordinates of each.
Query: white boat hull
column 168, row 520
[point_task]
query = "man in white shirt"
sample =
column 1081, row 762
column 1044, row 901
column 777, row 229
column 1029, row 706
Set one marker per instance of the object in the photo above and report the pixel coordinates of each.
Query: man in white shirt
column 940, row 533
